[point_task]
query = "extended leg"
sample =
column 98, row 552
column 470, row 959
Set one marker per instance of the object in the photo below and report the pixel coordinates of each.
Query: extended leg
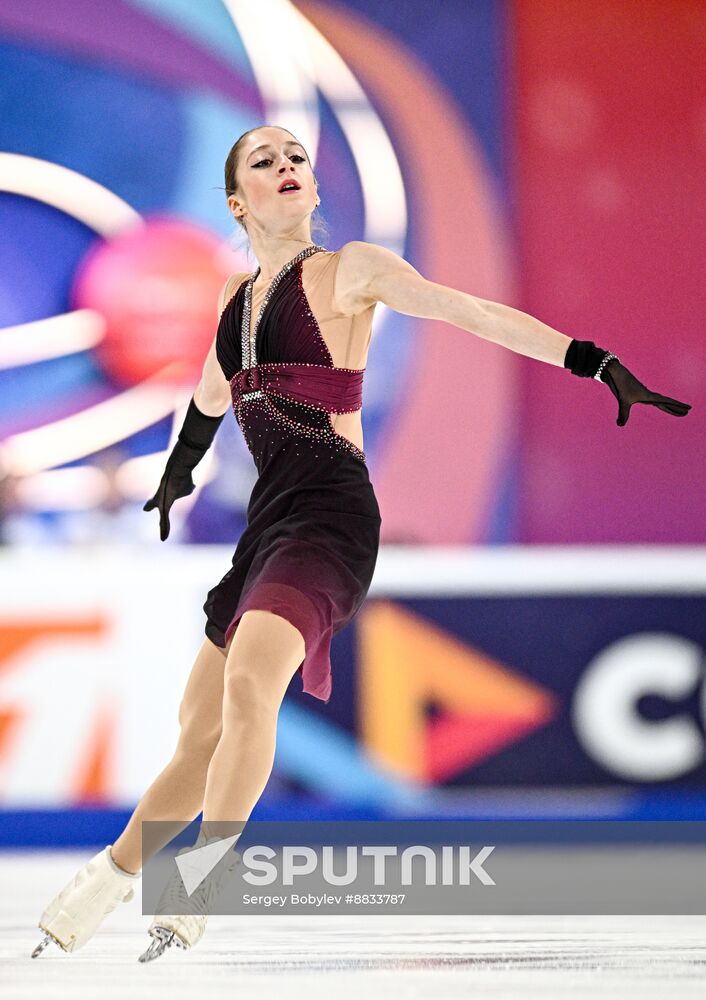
column 266, row 652
column 177, row 792
column 75, row 913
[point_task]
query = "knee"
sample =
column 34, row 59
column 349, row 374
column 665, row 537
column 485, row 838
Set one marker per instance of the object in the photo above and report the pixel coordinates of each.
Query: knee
column 197, row 739
column 247, row 699
column 196, row 747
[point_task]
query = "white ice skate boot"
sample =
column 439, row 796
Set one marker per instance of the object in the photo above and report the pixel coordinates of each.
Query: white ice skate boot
column 75, row 914
column 186, row 927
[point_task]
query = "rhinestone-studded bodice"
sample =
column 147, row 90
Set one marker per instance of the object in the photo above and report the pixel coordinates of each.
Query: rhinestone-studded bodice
column 283, row 382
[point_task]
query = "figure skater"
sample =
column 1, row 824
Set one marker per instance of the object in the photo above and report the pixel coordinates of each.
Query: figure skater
column 289, row 356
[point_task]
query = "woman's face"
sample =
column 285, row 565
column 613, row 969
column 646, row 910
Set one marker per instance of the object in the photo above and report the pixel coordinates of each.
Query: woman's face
column 271, row 157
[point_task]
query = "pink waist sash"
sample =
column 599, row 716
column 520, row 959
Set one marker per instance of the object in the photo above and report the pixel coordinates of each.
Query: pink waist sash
column 337, row 390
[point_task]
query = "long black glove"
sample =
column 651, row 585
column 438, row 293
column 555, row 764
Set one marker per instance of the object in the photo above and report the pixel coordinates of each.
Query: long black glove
column 194, row 440
column 584, row 358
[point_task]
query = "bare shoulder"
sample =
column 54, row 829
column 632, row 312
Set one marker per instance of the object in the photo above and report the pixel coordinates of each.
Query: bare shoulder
column 360, row 265
column 229, row 289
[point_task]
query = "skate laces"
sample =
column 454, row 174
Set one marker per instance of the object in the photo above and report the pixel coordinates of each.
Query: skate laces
column 83, row 874
column 175, row 900
column 88, row 870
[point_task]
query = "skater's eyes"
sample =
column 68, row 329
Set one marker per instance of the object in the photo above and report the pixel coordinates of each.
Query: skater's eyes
column 295, row 156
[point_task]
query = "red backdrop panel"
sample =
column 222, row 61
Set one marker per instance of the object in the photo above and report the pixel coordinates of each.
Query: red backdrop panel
column 609, row 157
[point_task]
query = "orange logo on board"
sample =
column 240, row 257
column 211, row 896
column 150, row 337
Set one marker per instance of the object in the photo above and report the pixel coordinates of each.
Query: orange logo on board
column 408, row 664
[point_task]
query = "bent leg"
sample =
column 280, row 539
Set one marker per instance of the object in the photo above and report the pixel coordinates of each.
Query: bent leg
column 177, row 792
column 266, row 652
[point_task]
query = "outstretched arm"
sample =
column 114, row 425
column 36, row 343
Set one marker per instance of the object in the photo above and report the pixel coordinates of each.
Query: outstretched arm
column 368, row 273
column 371, row 273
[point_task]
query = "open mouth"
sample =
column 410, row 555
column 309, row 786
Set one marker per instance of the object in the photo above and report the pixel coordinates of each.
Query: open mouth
column 288, row 187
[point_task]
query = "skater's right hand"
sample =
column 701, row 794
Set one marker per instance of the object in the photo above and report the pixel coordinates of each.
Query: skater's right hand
column 176, row 482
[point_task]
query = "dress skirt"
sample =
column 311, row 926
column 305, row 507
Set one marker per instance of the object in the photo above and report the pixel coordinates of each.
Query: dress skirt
column 308, row 551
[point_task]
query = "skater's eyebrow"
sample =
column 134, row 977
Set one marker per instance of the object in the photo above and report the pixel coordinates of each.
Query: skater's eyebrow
column 268, row 145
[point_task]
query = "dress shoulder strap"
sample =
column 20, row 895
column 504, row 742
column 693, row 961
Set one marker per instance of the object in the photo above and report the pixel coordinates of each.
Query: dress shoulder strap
column 230, row 288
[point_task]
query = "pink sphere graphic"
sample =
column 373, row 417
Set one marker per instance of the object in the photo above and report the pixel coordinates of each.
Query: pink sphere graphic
column 156, row 285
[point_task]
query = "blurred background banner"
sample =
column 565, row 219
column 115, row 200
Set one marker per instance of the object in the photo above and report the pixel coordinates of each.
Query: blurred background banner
column 549, row 155
column 517, row 682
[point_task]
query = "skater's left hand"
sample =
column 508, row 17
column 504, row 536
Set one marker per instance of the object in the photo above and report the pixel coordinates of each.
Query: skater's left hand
column 628, row 390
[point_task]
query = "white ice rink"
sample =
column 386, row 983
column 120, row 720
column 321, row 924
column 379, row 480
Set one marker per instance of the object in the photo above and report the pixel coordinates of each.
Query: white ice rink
column 344, row 957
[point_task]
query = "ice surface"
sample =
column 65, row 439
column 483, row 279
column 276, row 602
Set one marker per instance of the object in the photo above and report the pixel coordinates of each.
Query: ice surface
column 344, row 957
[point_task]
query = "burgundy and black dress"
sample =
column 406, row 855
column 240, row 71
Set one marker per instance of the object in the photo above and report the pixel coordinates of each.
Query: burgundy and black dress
column 313, row 523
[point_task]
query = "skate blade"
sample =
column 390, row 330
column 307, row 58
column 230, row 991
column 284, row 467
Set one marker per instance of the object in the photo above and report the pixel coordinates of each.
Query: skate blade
column 44, row 942
column 161, row 940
